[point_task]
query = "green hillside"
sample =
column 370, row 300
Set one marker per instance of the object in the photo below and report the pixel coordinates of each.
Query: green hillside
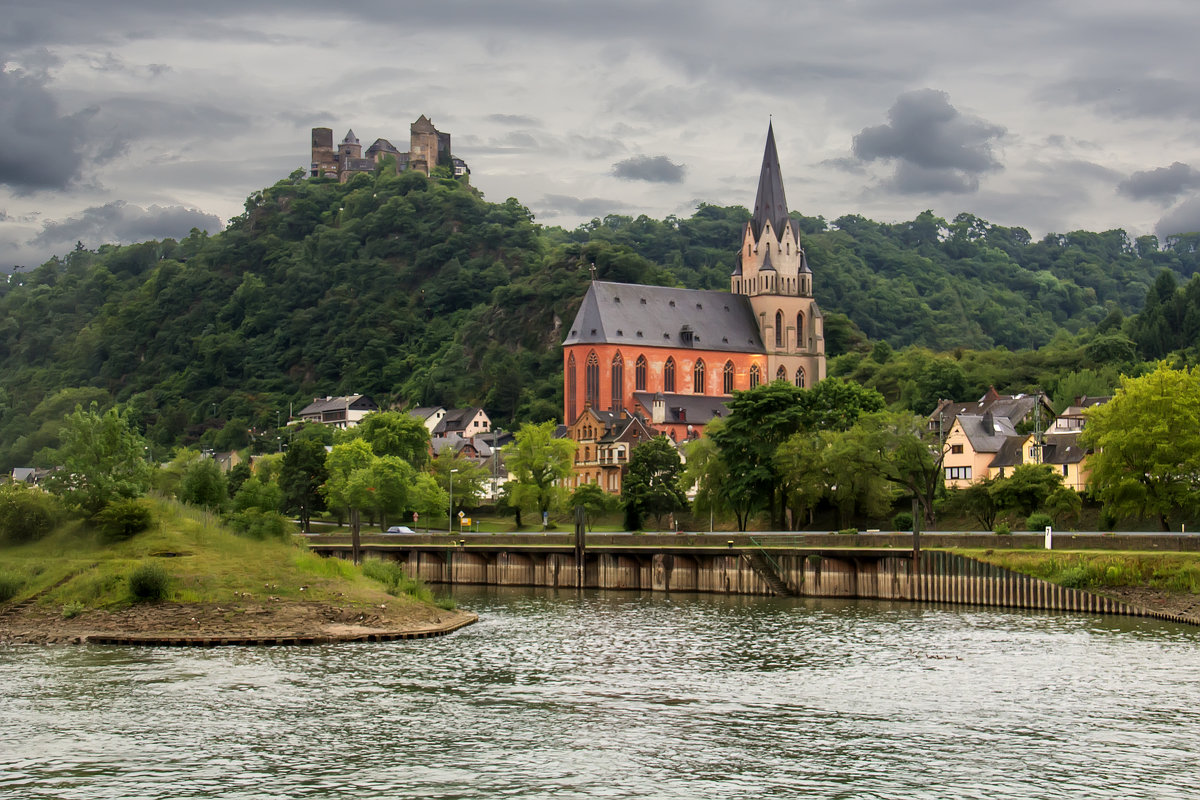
column 416, row 291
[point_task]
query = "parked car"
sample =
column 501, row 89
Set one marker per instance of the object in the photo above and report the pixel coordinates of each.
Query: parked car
column 400, row 529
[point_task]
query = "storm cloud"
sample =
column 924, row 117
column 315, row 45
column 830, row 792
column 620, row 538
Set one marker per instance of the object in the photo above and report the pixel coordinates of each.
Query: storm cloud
column 42, row 148
column 936, row 148
column 1164, row 184
column 654, row 169
column 121, row 223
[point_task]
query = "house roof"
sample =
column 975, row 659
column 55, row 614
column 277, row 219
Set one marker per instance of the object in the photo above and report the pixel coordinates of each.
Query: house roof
column 770, row 204
column 1011, row 407
column 1009, row 454
column 424, row 412
column 684, row 409
column 1063, row 448
column 654, row 316
column 320, row 405
column 986, row 432
column 456, row 419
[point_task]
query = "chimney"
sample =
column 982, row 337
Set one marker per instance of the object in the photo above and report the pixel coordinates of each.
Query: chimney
column 989, row 424
column 658, row 409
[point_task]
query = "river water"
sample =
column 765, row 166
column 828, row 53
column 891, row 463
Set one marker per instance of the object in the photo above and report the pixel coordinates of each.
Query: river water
column 621, row 695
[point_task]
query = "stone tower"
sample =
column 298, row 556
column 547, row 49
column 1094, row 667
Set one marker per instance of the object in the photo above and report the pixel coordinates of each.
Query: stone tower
column 772, row 271
column 324, row 165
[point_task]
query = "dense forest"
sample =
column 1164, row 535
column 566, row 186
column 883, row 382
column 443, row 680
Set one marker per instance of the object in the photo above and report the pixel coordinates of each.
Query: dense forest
column 416, row 291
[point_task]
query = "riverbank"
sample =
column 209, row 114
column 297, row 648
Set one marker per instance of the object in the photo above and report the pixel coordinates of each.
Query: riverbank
column 214, row 587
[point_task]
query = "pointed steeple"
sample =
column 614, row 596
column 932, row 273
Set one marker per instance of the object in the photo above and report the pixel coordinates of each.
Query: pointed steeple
column 352, row 139
column 770, row 205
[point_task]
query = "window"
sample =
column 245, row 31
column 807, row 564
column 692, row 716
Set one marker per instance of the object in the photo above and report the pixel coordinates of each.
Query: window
column 639, row 374
column 571, row 397
column 781, row 373
column 591, row 381
column 755, row 376
column 669, row 375
column 779, row 329
column 799, row 329
column 698, row 377
column 956, row 449
column 618, row 382
column 1066, row 470
column 727, row 385
column 958, row 473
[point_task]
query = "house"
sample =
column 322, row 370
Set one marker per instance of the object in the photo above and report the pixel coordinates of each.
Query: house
column 604, row 443
column 340, row 412
column 633, row 346
column 972, row 444
column 429, row 416
column 227, row 461
column 463, row 421
column 1072, row 418
column 1018, row 409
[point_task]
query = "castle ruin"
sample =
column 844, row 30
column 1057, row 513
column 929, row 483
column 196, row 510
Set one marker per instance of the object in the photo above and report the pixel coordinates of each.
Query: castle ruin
column 427, row 148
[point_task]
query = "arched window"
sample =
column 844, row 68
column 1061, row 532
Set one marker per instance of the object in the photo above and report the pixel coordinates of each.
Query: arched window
column 727, row 383
column 639, row 374
column 781, row 374
column 698, row 377
column 618, row 382
column 799, row 330
column 669, row 375
column 755, row 376
column 571, row 396
column 591, row 381
column 778, row 329
column 800, row 377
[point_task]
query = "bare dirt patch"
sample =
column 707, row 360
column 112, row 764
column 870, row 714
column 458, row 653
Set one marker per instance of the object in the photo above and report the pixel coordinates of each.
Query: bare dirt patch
column 1184, row 605
column 45, row 624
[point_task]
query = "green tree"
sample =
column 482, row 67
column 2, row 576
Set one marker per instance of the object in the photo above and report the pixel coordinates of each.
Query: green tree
column 102, row 459
column 204, row 485
column 537, row 461
column 257, row 493
column 1026, row 489
column 302, row 473
column 652, row 484
column 595, row 501
column 426, row 498
column 392, row 433
column 469, row 478
column 707, row 471
column 1147, row 445
column 383, row 487
column 800, row 461
column 902, row 450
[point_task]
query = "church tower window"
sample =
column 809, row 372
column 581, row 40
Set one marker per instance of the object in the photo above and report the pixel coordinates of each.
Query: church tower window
column 800, row 377
column 779, row 329
column 618, row 382
column 591, row 381
column 571, row 396
column 669, row 375
column 755, row 376
column 727, row 384
column 639, row 374
column 698, row 377
column 781, row 374
column 799, row 330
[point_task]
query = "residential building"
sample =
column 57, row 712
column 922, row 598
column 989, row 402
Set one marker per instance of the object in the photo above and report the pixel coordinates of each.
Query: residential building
column 340, row 412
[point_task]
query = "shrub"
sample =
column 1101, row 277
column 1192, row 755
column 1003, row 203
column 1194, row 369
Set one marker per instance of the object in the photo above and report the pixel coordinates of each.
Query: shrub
column 1038, row 521
column 9, row 586
column 72, row 609
column 395, row 579
column 26, row 514
column 1108, row 520
column 902, row 521
column 1075, row 578
column 123, row 519
column 1002, row 530
column 148, row 583
column 848, row 531
column 257, row 524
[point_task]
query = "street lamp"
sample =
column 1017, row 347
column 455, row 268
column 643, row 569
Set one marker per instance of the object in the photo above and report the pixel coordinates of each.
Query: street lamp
column 450, row 512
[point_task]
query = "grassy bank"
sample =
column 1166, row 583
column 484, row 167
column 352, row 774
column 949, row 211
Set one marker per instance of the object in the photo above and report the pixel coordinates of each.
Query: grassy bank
column 203, row 562
column 1177, row 573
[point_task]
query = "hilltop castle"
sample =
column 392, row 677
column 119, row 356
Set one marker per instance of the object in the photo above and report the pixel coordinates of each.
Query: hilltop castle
column 427, row 148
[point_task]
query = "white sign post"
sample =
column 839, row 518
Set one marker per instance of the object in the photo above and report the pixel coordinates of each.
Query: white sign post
column 1049, row 538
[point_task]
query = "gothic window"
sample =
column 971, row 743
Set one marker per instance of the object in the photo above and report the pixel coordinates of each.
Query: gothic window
column 639, row 374
column 698, row 377
column 778, row 329
column 755, row 376
column 669, row 375
column 727, row 386
column 618, row 381
column 571, row 397
column 800, row 377
column 799, row 329
column 591, row 381
column 781, row 374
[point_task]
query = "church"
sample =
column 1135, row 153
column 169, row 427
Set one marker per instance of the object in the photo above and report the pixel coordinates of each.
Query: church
column 674, row 356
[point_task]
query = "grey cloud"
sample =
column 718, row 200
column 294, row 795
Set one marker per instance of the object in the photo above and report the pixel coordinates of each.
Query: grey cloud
column 1164, row 184
column 42, row 148
column 560, row 205
column 1131, row 96
column 654, row 169
column 119, row 222
column 937, row 148
column 513, row 119
column 1183, row 218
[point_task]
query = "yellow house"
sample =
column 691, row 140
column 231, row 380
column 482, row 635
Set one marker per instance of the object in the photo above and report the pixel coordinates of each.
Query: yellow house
column 971, row 446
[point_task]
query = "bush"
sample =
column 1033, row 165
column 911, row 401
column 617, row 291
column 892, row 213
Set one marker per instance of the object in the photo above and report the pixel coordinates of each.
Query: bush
column 395, row 579
column 903, row 521
column 9, row 586
column 257, row 524
column 1002, row 530
column 848, row 531
column 1038, row 521
column 1108, row 520
column 148, row 583
column 72, row 609
column 123, row 519
column 1075, row 578
column 26, row 514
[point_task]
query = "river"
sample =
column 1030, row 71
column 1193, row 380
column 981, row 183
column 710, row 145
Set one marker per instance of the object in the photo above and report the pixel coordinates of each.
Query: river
column 625, row 695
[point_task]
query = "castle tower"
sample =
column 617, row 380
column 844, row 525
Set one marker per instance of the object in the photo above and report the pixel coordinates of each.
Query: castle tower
column 772, row 271
column 324, row 164
column 424, row 145
column 349, row 148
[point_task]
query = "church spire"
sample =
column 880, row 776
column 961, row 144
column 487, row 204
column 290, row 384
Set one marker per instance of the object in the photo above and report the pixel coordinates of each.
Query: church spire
column 770, row 205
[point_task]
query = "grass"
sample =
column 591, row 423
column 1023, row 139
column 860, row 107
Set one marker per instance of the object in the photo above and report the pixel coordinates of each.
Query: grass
column 203, row 561
column 1172, row 572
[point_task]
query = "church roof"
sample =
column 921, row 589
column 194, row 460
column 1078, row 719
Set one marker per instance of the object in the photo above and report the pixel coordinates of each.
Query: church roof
column 655, row 316
column 770, row 204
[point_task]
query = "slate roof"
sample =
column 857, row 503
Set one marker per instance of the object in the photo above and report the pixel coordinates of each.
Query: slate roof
column 690, row 409
column 770, row 204
column 653, row 316
column 1012, row 407
column 1063, row 448
column 1009, row 454
column 424, row 412
column 320, row 405
column 986, row 432
column 350, row 137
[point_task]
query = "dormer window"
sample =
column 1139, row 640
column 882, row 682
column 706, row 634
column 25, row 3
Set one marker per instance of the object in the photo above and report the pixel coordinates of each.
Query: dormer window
column 686, row 335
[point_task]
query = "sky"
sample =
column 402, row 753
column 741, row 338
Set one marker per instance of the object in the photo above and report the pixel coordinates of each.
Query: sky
column 141, row 119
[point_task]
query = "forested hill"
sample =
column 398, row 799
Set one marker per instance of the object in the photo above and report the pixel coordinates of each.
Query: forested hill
column 416, row 291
